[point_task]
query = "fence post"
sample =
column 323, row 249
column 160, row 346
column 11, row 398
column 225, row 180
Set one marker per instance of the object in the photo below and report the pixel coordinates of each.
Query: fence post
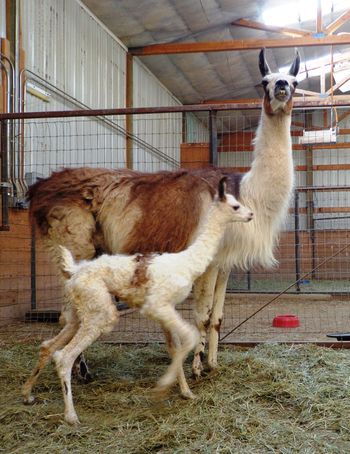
column 297, row 239
column 213, row 139
column 33, row 268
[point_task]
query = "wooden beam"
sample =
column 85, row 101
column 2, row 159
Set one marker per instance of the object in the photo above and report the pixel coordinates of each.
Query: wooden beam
column 300, row 91
column 294, row 32
column 331, row 28
column 239, row 44
column 338, row 85
column 299, row 101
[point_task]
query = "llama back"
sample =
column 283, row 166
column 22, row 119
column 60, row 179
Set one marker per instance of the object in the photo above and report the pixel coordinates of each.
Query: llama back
column 91, row 211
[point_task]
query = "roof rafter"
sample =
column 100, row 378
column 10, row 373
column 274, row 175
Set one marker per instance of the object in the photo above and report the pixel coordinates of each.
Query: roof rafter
column 294, row 32
column 331, row 28
column 240, row 44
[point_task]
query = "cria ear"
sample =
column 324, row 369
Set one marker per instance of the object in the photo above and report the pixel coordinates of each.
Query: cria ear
column 222, row 189
column 294, row 69
column 263, row 66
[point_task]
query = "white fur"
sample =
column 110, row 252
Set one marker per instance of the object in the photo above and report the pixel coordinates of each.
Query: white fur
column 155, row 284
column 266, row 189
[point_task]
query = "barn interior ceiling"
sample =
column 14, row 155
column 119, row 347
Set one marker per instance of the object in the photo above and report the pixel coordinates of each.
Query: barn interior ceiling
column 205, row 76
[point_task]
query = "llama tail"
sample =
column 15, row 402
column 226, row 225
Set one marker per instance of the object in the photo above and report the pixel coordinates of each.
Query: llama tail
column 67, row 263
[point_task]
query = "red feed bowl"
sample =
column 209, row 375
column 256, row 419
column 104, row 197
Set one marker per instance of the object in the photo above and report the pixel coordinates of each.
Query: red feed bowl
column 286, row 321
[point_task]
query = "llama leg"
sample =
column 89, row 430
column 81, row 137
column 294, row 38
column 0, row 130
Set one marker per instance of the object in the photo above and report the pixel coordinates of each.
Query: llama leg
column 216, row 318
column 172, row 345
column 171, row 321
column 47, row 349
column 203, row 296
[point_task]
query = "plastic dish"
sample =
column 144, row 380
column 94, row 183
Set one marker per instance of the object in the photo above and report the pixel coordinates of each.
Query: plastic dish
column 286, row 321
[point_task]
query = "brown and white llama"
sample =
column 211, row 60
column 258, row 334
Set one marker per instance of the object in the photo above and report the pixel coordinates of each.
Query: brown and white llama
column 120, row 211
column 154, row 283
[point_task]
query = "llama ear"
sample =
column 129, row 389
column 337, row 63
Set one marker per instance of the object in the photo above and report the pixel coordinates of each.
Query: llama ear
column 222, row 188
column 263, row 66
column 294, row 69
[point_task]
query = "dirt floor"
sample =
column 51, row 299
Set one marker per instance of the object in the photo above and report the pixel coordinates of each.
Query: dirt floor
column 318, row 315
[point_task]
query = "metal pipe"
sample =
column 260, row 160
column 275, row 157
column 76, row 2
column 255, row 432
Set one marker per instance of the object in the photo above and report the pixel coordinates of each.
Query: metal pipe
column 213, row 138
column 4, row 185
column 135, row 110
column 8, row 82
column 10, row 130
column 297, row 240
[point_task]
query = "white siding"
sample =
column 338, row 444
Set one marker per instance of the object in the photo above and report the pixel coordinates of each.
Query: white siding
column 72, row 57
column 162, row 132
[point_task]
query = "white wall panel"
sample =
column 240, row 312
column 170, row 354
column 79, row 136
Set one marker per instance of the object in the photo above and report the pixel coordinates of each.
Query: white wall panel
column 68, row 49
column 162, row 132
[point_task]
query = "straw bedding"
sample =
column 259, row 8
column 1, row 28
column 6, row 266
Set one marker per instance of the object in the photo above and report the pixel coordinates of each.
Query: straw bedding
column 270, row 399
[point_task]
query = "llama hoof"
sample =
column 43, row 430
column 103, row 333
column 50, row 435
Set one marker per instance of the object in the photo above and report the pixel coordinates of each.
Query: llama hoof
column 212, row 365
column 87, row 378
column 30, row 400
column 81, row 372
column 72, row 420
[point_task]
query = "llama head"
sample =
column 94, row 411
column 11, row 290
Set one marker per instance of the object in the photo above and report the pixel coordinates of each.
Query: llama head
column 278, row 87
column 228, row 204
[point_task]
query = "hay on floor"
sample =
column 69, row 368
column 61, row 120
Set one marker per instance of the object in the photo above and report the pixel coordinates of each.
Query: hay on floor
column 273, row 398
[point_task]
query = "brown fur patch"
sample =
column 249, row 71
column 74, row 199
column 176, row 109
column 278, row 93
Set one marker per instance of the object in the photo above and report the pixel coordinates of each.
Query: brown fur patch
column 288, row 107
column 140, row 277
column 267, row 105
column 171, row 206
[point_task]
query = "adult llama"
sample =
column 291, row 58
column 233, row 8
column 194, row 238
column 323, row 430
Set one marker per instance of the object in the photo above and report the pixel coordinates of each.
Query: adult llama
column 91, row 210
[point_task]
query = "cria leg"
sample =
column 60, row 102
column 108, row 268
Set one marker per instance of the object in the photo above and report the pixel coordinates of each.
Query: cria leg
column 172, row 345
column 47, row 349
column 171, row 321
column 216, row 318
column 203, row 294
column 73, row 228
column 98, row 323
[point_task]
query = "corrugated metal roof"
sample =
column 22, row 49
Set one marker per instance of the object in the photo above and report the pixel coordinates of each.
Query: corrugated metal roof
column 194, row 78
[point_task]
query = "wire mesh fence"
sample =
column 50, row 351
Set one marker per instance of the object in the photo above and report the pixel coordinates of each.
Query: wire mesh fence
column 313, row 243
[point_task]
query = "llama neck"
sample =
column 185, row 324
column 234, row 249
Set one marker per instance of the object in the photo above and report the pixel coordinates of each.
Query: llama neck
column 201, row 253
column 270, row 180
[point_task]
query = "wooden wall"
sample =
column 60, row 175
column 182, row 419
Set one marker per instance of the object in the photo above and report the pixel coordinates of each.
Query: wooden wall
column 15, row 272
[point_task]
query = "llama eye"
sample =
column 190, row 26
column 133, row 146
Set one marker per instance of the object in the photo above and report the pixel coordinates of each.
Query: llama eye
column 264, row 83
column 295, row 83
column 236, row 207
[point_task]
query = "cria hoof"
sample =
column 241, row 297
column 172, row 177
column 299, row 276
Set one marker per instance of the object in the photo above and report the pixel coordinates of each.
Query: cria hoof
column 29, row 400
column 189, row 395
column 196, row 374
column 159, row 393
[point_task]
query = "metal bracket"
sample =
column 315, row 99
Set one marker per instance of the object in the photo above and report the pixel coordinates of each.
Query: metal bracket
column 5, row 184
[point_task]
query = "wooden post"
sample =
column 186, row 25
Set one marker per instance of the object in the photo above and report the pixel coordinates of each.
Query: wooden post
column 129, row 103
